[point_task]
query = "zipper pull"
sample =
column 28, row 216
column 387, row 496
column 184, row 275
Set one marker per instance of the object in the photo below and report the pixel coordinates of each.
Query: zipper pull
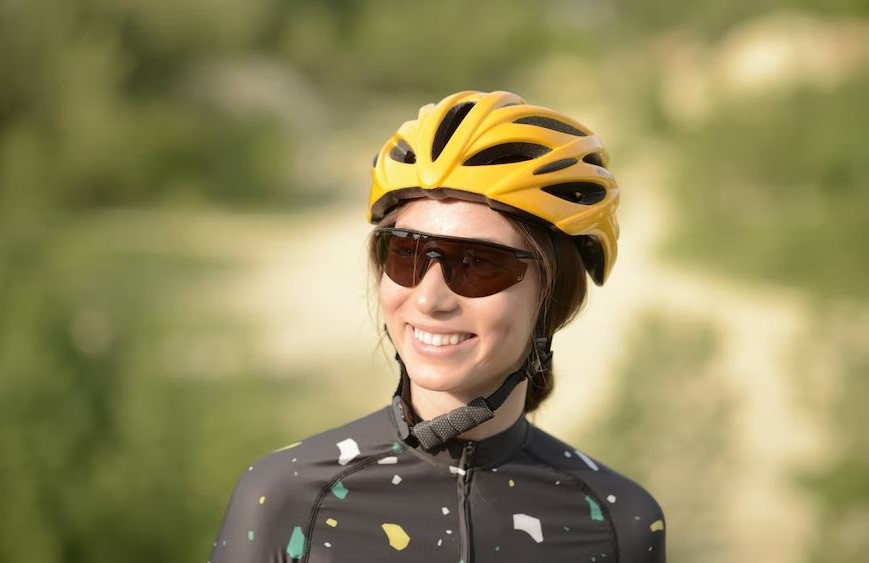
column 468, row 454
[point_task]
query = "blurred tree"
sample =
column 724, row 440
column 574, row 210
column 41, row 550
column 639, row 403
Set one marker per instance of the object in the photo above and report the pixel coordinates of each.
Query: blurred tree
column 432, row 48
column 93, row 113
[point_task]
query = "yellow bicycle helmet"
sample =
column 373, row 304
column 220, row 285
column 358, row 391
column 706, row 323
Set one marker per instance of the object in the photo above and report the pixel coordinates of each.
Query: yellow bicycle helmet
column 524, row 160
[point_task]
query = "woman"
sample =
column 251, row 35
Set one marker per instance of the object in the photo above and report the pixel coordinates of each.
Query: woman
column 489, row 213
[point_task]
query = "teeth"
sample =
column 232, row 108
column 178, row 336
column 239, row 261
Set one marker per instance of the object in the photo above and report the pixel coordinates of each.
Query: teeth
column 439, row 339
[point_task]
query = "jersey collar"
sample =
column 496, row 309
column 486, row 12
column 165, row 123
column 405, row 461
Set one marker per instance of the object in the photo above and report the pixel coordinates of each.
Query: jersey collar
column 491, row 451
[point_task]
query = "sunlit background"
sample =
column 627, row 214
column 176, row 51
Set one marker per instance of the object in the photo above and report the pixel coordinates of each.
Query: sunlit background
column 183, row 285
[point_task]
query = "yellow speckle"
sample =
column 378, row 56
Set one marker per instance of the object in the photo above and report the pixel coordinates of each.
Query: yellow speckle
column 331, row 522
column 291, row 446
column 262, row 500
column 657, row 526
column 398, row 538
column 511, row 483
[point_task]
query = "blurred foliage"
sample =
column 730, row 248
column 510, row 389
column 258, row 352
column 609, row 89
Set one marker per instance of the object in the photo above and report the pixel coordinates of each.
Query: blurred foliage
column 776, row 189
column 773, row 188
column 84, row 125
column 841, row 483
column 646, row 435
column 639, row 18
column 111, row 447
column 429, row 48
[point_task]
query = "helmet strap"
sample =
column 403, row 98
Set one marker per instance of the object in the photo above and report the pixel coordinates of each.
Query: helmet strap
column 443, row 428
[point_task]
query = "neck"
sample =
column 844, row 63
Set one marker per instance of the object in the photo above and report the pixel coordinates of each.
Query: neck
column 429, row 404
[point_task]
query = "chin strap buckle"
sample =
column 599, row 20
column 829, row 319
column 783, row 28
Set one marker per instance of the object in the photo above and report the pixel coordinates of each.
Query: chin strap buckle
column 400, row 417
column 543, row 350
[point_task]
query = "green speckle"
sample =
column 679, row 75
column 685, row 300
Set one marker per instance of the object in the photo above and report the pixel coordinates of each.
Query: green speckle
column 251, row 535
column 296, row 547
column 596, row 514
column 339, row 490
column 397, row 447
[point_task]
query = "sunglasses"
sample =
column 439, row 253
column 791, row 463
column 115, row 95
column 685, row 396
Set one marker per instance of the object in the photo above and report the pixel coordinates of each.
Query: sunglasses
column 471, row 268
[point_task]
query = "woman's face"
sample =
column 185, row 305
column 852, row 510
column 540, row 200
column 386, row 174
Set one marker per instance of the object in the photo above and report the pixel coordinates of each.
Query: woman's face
column 495, row 331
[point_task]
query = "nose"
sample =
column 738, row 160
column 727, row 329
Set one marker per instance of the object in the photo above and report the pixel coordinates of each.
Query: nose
column 432, row 295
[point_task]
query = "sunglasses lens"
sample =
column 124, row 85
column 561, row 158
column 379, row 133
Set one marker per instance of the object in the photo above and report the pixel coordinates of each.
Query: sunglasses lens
column 400, row 258
column 470, row 269
column 479, row 270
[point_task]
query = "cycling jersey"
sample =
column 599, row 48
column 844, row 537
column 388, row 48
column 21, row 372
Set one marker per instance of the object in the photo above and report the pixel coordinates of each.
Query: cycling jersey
column 362, row 493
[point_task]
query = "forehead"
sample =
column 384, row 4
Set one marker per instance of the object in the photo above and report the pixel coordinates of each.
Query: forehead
column 453, row 217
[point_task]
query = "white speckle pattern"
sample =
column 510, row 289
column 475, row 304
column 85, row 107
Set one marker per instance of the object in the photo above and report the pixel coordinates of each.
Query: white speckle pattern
column 530, row 525
column 611, row 499
column 327, row 544
column 440, row 542
column 456, row 470
column 588, row 461
column 396, row 479
column 445, row 510
column 449, row 531
column 566, row 454
column 388, row 460
column 558, row 482
column 349, row 449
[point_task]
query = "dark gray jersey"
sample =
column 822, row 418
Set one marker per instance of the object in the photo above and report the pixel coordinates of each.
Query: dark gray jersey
column 361, row 493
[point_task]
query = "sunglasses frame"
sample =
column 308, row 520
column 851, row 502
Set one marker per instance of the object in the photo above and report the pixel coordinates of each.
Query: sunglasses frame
column 424, row 239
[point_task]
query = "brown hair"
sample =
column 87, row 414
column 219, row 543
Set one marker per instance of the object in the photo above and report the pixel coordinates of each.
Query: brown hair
column 561, row 295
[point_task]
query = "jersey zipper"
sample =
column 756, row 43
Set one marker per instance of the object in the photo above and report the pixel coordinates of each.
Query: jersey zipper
column 464, row 489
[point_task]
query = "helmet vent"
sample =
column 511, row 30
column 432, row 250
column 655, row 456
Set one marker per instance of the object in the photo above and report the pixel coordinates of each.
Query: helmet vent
column 448, row 126
column 402, row 152
column 507, row 153
column 583, row 193
column 550, row 123
column 555, row 166
column 593, row 158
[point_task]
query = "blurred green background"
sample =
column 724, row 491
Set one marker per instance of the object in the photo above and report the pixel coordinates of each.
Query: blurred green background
column 182, row 276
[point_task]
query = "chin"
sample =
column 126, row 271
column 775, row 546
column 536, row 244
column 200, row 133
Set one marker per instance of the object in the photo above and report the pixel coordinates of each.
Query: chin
column 444, row 379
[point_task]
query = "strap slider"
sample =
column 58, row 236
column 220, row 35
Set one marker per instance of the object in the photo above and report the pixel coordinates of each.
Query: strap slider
column 400, row 420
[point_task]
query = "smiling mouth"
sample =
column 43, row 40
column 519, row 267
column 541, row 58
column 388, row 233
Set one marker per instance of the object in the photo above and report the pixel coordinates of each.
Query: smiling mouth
column 440, row 339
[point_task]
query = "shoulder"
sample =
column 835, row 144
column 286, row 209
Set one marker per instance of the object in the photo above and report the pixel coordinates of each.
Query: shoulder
column 636, row 516
column 303, row 468
column 275, row 496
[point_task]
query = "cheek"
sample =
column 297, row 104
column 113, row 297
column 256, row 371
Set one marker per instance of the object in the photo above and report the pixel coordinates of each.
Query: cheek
column 510, row 316
column 391, row 296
